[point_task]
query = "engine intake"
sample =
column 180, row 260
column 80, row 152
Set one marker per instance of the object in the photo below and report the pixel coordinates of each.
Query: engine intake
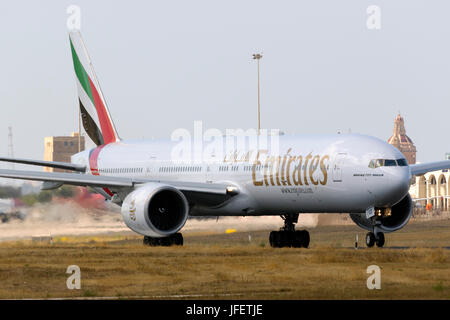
column 155, row 210
column 387, row 221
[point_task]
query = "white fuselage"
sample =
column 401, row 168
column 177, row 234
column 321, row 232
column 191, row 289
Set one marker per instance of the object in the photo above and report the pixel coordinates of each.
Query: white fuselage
column 307, row 173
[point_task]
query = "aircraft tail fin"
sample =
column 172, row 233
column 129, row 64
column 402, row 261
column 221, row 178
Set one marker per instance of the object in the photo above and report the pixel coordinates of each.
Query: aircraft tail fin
column 97, row 121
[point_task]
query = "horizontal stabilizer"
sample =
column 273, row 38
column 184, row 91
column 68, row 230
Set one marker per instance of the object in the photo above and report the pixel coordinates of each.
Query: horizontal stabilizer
column 51, row 164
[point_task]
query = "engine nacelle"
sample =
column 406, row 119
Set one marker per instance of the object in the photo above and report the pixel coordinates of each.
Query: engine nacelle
column 155, row 210
column 397, row 218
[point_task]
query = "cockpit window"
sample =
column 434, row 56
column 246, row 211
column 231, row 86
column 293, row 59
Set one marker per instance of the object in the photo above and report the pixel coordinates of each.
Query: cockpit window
column 379, row 163
column 375, row 163
column 402, row 162
column 390, row 163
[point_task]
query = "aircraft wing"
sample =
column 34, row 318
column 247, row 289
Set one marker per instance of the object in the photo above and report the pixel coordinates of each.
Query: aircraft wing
column 79, row 179
column 422, row 168
column 51, row 164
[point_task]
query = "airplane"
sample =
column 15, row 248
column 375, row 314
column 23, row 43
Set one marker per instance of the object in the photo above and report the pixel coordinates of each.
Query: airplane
column 353, row 174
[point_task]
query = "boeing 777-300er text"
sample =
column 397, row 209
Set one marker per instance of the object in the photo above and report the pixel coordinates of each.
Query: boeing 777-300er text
column 344, row 173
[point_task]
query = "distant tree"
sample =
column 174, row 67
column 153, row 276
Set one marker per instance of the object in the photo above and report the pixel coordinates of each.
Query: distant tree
column 9, row 192
column 44, row 196
column 29, row 199
column 65, row 192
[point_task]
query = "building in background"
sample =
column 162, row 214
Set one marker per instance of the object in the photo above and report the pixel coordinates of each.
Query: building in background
column 401, row 141
column 62, row 148
column 431, row 189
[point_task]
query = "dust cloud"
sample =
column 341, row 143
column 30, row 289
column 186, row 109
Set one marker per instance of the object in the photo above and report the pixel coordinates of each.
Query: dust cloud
column 58, row 219
column 70, row 219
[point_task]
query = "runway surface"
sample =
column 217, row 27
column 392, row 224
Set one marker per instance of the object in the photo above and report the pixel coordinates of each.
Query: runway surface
column 213, row 264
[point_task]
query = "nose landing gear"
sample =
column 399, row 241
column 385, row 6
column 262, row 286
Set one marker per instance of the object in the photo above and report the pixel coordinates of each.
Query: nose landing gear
column 375, row 238
column 287, row 236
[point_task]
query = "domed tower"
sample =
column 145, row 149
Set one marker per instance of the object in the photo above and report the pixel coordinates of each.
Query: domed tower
column 402, row 142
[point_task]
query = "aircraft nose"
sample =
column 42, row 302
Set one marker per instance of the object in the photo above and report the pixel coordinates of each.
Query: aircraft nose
column 394, row 187
column 399, row 179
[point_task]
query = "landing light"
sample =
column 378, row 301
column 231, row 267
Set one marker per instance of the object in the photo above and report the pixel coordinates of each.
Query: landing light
column 231, row 190
column 388, row 212
column 383, row 212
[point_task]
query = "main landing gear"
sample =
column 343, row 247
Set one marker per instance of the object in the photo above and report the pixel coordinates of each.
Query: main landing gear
column 375, row 238
column 174, row 239
column 288, row 236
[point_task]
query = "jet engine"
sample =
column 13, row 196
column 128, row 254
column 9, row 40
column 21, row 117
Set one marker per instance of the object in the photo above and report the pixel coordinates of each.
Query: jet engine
column 386, row 219
column 155, row 210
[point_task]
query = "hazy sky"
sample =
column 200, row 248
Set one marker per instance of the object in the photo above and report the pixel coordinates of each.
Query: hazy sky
column 164, row 64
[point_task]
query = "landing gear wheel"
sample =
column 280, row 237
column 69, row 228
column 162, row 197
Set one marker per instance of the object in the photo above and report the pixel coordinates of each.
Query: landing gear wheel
column 149, row 241
column 174, row 239
column 165, row 242
column 277, row 239
column 304, row 236
column 288, row 236
column 370, row 239
column 152, row 242
column 177, row 239
column 284, row 239
column 380, row 239
column 297, row 241
column 272, row 239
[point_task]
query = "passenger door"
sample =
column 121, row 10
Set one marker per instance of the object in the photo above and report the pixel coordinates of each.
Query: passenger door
column 337, row 167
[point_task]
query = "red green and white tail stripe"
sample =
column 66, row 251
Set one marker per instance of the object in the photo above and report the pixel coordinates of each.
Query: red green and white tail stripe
column 95, row 116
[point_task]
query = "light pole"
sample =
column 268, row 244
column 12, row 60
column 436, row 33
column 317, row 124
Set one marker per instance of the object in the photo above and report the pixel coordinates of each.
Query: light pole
column 258, row 56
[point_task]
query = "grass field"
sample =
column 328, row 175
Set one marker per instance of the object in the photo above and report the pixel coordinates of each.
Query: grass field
column 233, row 266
